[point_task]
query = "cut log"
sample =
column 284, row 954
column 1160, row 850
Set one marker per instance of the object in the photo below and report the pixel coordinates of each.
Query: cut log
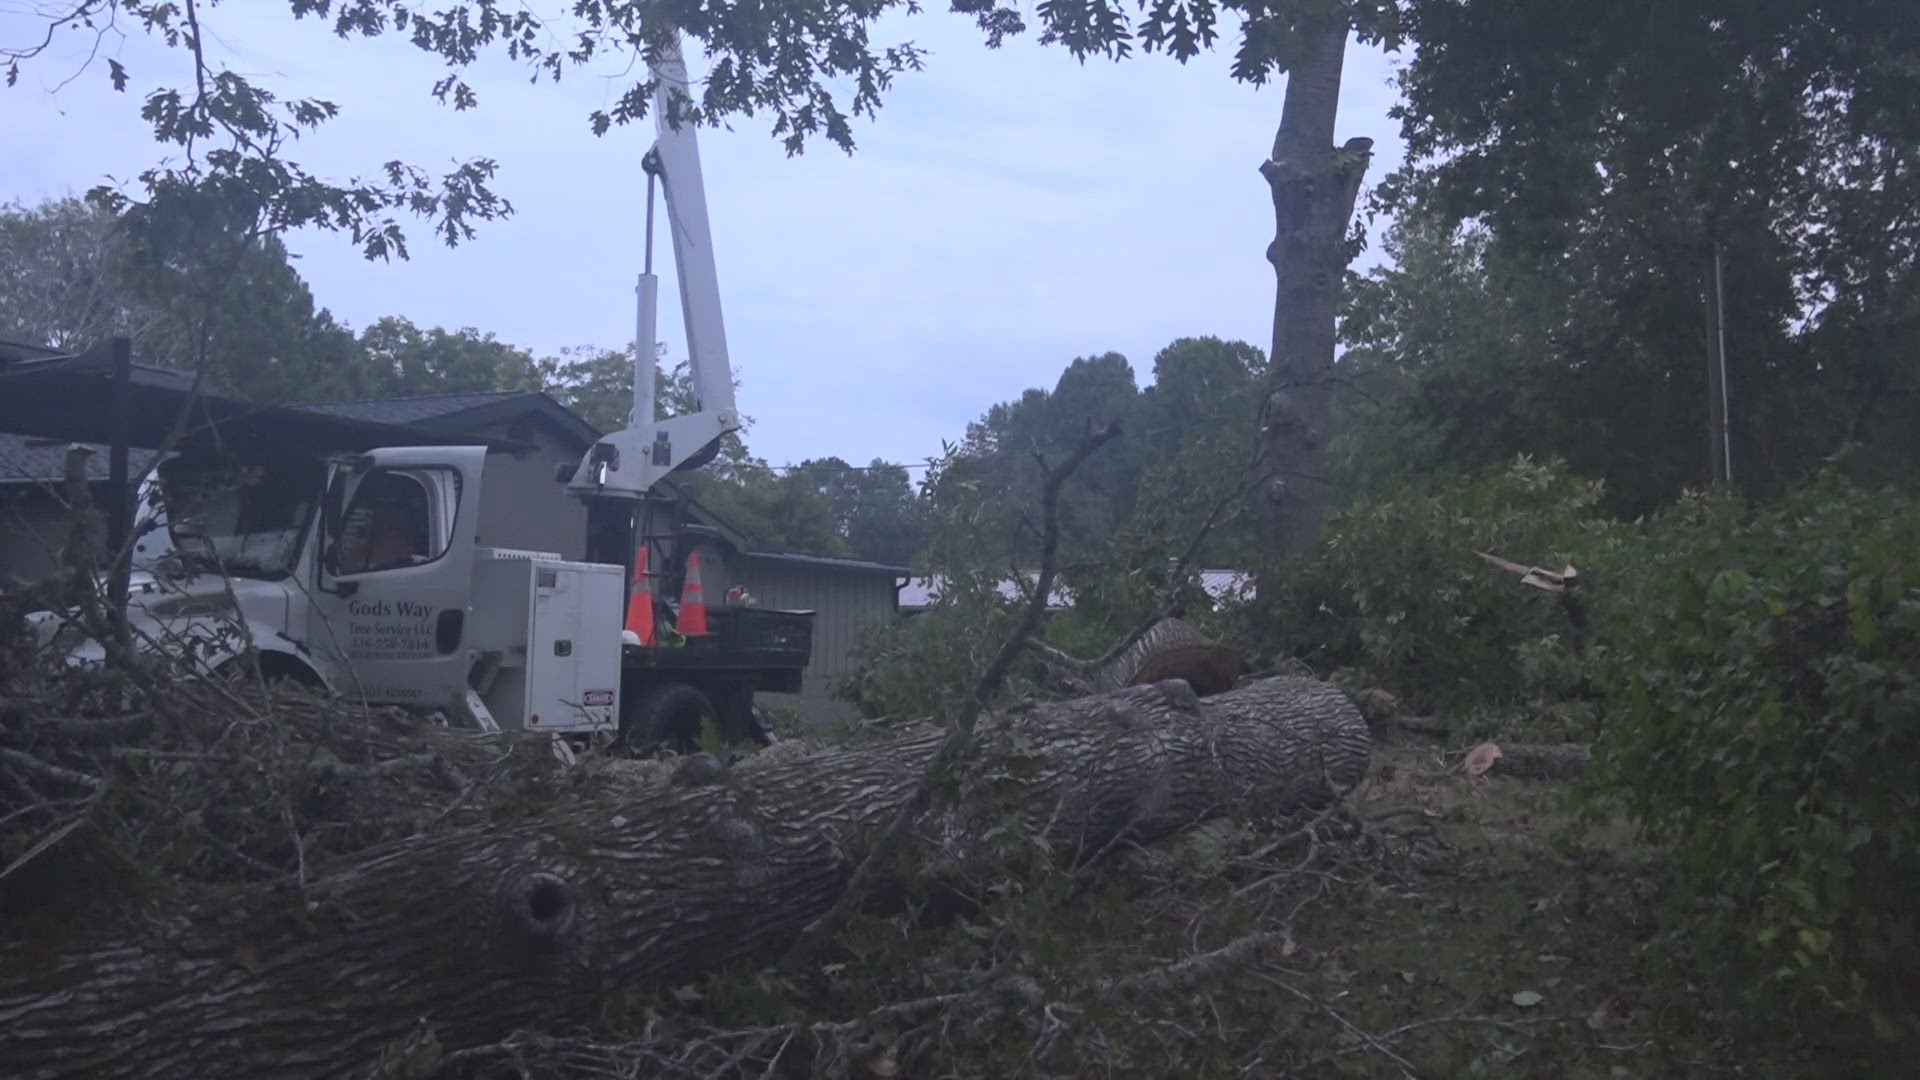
column 1172, row 649
column 1530, row 761
column 478, row 931
column 1423, row 725
column 1550, row 761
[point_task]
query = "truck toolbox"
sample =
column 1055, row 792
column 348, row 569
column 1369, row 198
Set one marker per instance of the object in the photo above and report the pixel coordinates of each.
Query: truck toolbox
column 768, row 636
column 742, row 638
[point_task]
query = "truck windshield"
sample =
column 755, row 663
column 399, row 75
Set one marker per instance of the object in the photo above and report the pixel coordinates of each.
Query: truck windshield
column 249, row 518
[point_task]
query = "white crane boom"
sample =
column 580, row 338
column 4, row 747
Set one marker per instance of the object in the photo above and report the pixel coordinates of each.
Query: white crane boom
column 629, row 462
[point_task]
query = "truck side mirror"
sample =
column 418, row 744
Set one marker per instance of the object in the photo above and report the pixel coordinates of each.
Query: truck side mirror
column 332, row 518
column 330, row 567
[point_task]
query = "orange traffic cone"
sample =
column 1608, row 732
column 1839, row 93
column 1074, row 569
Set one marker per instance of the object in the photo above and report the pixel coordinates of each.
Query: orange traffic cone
column 639, row 629
column 693, row 600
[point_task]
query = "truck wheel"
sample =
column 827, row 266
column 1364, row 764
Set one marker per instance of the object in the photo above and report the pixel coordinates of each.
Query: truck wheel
column 669, row 714
column 276, row 670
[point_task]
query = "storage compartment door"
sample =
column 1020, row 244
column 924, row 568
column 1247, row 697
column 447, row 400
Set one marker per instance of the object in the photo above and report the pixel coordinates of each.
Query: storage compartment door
column 573, row 656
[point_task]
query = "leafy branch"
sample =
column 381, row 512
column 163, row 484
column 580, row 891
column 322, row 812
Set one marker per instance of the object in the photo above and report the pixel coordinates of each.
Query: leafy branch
column 811, row 66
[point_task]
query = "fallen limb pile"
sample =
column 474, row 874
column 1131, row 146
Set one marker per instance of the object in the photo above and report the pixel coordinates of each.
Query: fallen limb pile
column 478, row 930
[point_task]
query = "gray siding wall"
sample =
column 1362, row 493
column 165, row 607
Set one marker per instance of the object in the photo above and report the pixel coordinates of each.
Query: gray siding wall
column 33, row 531
column 523, row 506
column 845, row 602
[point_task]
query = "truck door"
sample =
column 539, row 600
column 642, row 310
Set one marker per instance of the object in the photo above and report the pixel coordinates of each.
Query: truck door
column 395, row 573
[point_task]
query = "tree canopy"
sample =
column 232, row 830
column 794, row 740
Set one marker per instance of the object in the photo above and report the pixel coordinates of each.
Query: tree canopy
column 1595, row 155
column 809, row 66
column 73, row 276
column 1181, row 470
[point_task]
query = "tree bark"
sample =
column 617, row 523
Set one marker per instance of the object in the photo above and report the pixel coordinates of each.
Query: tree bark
column 1172, row 649
column 1167, row 649
column 1314, row 185
column 472, row 933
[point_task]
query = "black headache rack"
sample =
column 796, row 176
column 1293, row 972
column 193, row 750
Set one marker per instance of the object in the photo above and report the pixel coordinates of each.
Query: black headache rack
column 766, row 641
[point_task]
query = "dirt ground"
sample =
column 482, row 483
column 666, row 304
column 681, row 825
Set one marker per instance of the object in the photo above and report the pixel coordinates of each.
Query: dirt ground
column 1524, row 945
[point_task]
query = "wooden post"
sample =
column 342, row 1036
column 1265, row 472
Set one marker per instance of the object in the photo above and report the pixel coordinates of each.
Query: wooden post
column 120, row 513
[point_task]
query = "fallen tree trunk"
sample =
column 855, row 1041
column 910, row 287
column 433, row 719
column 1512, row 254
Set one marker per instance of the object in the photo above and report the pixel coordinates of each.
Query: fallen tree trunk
column 469, row 934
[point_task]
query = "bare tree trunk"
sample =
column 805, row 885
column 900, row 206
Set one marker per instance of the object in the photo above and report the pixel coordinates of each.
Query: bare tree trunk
column 467, row 935
column 1314, row 186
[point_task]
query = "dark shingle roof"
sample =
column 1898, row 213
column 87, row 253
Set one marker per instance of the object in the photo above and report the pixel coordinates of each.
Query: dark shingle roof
column 34, row 461
column 413, row 410
column 71, row 398
column 463, row 412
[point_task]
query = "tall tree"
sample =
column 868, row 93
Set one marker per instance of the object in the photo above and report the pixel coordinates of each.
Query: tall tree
column 1608, row 147
column 597, row 384
column 408, row 361
column 1314, row 186
column 875, row 507
column 1189, row 457
column 1462, row 355
column 64, row 278
column 995, row 460
column 74, row 274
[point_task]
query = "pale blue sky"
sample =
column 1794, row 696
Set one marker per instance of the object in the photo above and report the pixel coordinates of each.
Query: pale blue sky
column 1006, row 212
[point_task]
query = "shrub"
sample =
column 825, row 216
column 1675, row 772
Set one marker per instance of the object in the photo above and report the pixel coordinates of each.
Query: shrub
column 1395, row 590
column 1763, row 685
column 924, row 665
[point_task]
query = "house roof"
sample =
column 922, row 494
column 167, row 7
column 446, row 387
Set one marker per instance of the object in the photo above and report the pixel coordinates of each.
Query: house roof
column 70, row 398
column 25, row 460
column 11, row 351
column 1221, row 584
column 463, row 411
column 412, row 410
column 858, row 566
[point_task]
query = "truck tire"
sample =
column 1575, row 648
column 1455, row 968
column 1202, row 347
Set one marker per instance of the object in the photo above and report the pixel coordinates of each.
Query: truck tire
column 276, row 669
column 669, row 714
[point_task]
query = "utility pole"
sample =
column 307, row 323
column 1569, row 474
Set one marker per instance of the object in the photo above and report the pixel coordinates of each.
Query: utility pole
column 1720, row 444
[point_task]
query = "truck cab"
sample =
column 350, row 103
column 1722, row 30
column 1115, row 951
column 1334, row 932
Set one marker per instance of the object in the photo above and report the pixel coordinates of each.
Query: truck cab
column 360, row 574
